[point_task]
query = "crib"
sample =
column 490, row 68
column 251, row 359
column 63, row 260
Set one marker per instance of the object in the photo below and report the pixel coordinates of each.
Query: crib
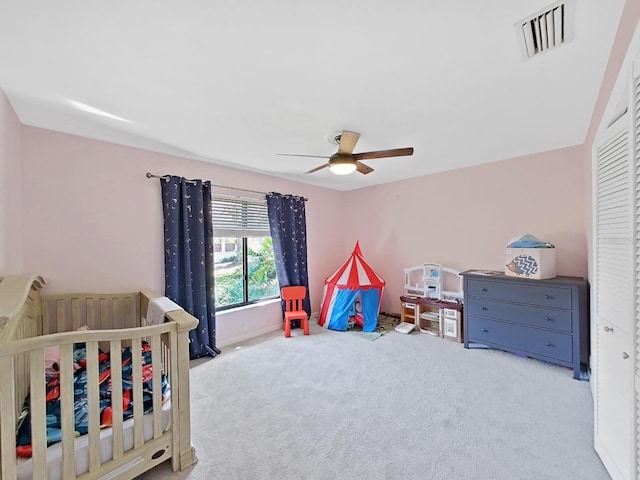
column 31, row 322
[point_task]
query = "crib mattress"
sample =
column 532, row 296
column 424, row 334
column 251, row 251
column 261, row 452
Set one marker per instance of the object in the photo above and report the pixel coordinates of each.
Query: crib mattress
column 54, row 452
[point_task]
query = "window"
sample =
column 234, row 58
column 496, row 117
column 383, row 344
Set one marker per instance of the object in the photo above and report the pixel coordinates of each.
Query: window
column 244, row 265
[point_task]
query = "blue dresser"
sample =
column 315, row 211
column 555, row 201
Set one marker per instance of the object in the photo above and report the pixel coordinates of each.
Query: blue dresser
column 543, row 319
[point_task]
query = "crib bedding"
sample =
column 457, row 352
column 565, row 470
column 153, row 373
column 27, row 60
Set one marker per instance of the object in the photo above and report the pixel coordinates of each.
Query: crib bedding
column 81, row 447
column 23, row 436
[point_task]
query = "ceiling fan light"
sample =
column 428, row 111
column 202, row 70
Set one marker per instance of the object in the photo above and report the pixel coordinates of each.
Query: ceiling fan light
column 343, row 168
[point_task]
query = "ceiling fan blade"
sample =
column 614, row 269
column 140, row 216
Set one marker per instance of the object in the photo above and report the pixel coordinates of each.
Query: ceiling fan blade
column 396, row 152
column 297, row 155
column 317, row 168
column 348, row 141
column 362, row 168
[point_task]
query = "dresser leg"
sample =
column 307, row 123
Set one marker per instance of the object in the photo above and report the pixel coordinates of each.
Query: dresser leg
column 581, row 372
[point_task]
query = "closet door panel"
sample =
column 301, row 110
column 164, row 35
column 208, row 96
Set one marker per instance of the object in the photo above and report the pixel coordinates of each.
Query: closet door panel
column 613, row 299
column 613, row 430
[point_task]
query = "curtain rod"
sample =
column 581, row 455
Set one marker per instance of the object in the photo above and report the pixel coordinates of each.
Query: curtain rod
column 166, row 177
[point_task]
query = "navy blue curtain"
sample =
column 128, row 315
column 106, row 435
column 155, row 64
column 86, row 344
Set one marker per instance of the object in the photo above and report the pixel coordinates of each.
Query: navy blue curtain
column 188, row 257
column 288, row 226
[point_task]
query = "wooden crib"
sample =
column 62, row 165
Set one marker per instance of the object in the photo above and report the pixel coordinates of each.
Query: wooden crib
column 29, row 323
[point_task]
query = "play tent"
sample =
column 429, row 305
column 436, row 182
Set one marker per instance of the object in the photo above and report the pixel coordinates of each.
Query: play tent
column 354, row 283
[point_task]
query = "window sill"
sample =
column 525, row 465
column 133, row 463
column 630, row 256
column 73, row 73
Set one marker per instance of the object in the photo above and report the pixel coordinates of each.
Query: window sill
column 248, row 307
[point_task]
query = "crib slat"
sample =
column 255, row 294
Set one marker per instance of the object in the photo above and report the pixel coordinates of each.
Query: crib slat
column 118, row 317
column 38, row 414
column 127, row 311
column 75, row 313
column 21, row 364
column 104, row 314
column 46, row 317
column 156, row 362
column 163, row 340
column 116, row 397
column 91, row 313
column 61, row 316
column 7, row 419
column 93, row 403
column 136, row 355
column 66, row 410
column 136, row 317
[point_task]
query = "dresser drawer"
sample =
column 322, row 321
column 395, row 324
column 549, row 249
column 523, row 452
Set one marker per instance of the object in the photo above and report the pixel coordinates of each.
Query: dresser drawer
column 517, row 337
column 523, row 314
column 544, row 296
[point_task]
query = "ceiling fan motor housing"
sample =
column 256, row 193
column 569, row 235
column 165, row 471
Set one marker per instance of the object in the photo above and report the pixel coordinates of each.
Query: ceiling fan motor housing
column 342, row 163
column 338, row 158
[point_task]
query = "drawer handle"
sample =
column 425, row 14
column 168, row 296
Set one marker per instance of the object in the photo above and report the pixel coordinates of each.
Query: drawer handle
column 485, row 308
column 548, row 297
column 483, row 289
column 548, row 319
column 625, row 355
column 608, row 329
column 549, row 344
column 485, row 330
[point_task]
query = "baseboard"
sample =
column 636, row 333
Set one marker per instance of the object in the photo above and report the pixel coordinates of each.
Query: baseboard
column 249, row 336
column 608, row 461
column 257, row 333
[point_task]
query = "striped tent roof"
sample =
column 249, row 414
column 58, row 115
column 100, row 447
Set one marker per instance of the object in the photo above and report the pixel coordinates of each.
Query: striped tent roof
column 355, row 273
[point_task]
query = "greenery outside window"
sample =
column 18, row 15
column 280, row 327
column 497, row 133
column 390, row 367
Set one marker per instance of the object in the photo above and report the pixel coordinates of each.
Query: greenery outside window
column 244, row 264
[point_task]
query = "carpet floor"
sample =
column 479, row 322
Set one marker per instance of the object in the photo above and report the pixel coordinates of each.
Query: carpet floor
column 406, row 406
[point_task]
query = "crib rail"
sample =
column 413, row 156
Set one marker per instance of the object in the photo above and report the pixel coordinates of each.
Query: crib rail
column 27, row 325
column 64, row 313
column 159, row 441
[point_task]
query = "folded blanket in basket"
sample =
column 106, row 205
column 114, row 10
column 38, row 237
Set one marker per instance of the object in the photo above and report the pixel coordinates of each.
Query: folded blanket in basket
column 528, row 241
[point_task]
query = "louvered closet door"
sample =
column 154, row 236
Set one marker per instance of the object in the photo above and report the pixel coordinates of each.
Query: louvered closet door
column 613, row 301
column 635, row 174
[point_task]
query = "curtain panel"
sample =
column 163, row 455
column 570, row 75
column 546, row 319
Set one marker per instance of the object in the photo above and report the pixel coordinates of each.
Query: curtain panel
column 288, row 226
column 188, row 257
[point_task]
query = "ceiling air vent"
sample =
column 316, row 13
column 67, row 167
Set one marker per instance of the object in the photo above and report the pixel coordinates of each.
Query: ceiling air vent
column 546, row 29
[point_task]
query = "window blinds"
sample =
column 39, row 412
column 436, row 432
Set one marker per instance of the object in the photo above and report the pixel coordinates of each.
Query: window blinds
column 239, row 217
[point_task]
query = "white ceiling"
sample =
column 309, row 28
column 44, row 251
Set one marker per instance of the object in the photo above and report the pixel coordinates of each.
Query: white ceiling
column 237, row 81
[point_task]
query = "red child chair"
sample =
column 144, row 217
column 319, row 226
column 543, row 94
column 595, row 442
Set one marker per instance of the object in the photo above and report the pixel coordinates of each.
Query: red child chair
column 293, row 297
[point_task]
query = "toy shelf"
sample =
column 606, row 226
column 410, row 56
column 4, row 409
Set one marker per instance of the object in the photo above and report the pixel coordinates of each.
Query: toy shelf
column 436, row 317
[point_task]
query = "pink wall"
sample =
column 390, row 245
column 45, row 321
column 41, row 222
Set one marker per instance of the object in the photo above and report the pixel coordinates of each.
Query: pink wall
column 10, row 190
column 95, row 220
column 464, row 218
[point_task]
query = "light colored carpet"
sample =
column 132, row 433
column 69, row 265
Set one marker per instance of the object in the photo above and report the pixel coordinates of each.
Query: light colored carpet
column 332, row 406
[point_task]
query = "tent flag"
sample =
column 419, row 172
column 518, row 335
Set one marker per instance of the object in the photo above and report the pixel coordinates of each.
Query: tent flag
column 354, row 281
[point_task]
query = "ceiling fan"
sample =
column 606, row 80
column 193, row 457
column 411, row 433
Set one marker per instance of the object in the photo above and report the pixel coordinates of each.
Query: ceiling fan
column 344, row 161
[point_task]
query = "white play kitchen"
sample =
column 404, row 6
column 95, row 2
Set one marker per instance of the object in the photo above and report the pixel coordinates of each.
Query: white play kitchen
column 427, row 306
